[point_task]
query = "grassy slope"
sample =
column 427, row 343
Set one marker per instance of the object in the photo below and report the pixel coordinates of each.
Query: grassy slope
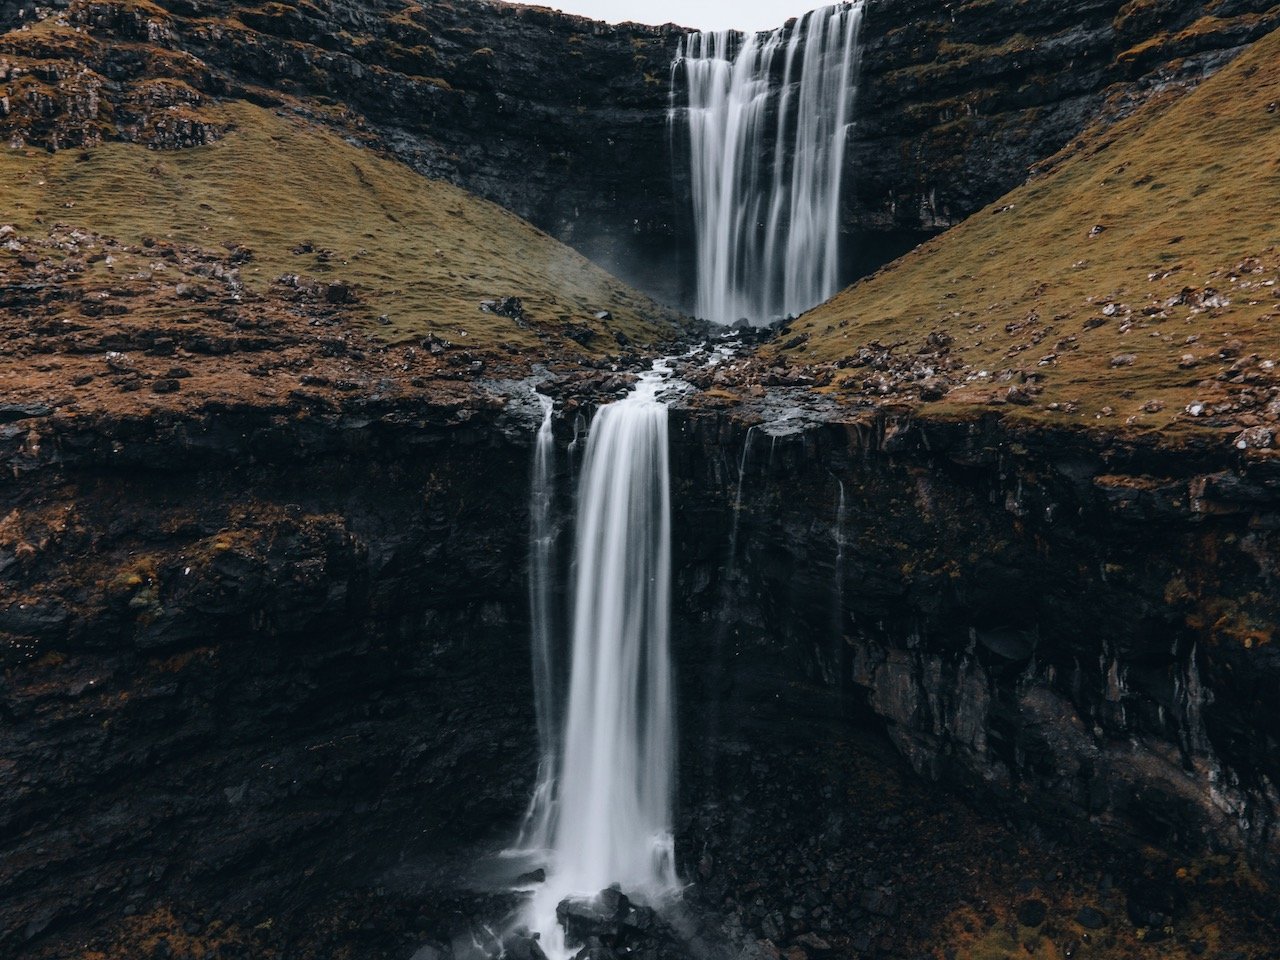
column 1185, row 193
column 422, row 252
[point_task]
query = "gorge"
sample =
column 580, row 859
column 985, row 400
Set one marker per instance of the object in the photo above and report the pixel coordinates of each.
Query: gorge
column 381, row 578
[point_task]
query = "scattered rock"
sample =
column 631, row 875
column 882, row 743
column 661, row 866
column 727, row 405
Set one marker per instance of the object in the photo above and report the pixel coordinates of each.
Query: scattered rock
column 880, row 903
column 797, row 341
column 1091, row 919
column 1255, row 438
column 1032, row 913
column 435, row 346
column 932, row 390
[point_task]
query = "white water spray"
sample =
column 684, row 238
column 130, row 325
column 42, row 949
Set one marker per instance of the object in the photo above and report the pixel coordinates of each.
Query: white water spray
column 768, row 120
column 610, row 820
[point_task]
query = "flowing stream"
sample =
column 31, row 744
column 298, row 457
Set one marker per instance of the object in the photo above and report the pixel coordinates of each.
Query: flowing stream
column 768, row 117
column 607, row 777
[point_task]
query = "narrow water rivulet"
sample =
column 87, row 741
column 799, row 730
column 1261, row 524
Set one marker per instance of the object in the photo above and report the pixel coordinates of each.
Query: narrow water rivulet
column 535, row 832
column 603, row 816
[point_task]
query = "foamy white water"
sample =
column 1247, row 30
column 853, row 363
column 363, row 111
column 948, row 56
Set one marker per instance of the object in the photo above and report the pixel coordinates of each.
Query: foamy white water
column 768, row 119
column 610, row 816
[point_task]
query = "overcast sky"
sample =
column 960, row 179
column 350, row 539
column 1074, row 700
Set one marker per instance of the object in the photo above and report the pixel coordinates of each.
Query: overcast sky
column 700, row 14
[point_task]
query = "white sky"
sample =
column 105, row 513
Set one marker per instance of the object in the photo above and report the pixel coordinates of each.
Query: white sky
column 699, row 14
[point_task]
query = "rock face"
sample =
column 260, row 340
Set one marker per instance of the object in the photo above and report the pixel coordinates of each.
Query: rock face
column 1066, row 627
column 252, row 655
column 226, row 677
column 564, row 120
column 961, row 101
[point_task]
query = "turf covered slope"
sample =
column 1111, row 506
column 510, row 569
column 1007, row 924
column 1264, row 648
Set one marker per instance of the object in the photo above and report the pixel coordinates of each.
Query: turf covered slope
column 400, row 256
column 1134, row 280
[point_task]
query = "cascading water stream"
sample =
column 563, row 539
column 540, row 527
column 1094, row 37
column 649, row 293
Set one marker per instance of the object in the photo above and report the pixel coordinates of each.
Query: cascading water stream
column 609, row 816
column 768, row 118
column 535, row 833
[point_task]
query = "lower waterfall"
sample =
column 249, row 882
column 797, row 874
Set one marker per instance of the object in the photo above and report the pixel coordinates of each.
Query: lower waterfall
column 609, row 816
column 768, row 116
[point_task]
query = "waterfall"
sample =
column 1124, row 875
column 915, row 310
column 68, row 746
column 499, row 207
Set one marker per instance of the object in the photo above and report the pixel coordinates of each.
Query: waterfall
column 611, row 817
column 536, row 832
column 768, row 119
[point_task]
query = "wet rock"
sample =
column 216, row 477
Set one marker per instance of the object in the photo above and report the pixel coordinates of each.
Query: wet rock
column 610, row 921
column 520, row 947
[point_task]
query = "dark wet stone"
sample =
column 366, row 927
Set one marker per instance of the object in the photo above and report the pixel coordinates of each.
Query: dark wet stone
column 520, row 948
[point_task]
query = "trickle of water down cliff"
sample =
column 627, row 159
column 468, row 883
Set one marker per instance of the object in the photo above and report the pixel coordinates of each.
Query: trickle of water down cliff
column 767, row 119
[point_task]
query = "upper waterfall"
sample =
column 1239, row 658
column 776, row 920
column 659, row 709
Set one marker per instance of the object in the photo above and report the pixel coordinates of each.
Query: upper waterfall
column 768, row 116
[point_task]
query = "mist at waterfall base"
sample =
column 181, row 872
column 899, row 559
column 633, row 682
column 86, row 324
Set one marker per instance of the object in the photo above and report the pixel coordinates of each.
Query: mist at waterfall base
column 766, row 118
column 602, row 810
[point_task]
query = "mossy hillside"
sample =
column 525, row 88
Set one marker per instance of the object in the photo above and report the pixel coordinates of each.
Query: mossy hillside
column 1124, row 281
column 421, row 253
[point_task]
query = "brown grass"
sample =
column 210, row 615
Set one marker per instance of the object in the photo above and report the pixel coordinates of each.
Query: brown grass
column 1182, row 194
column 423, row 253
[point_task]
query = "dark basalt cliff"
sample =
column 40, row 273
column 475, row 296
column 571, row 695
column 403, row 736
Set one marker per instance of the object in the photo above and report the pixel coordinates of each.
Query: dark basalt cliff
column 249, row 657
column 255, row 657
column 1061, row 624
column 565, row 121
